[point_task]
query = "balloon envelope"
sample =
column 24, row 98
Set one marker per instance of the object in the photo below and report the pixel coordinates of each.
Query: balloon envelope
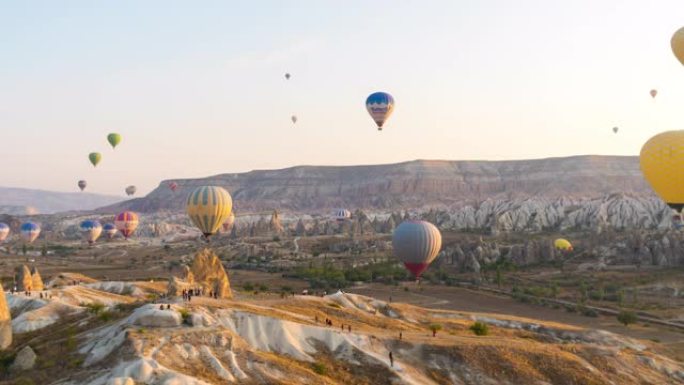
column 562, row 244
column 677, row 44
column 615, row 130
column 4, row 231
column 287, row 76
column 114, row 139
column 294, row 119
column 91, row 230
column 653, row 93
column 95, row 158
column 130, row 190
column 380, row 106
column 416, row 244
column 126, row 223
column 82, row 184
column 662, row 163
column 208, row 207
column 29, row 231
column 341, row 215
column 228, row 224
column 110, row 230
column 173, row 186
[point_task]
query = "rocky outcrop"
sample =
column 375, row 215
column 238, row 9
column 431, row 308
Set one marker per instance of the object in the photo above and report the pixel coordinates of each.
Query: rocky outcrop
column 25, row 360
column 37, row 280
column 5, row 321
column 23, row 278
column 206, row 272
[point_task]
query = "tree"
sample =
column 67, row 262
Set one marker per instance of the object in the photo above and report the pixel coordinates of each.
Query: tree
column 44, row 250
column 24, row 249
column 626, row 317
column 499, row 278
column 435, row 328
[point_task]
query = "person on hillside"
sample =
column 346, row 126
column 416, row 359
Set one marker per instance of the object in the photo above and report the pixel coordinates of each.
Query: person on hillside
column 400, row 335
column 391, row 359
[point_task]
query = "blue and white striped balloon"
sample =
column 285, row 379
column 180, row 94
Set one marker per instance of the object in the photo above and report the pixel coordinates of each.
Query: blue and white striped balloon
column 29, row 231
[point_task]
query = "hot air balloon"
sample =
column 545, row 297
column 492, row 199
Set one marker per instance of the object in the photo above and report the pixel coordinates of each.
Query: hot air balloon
column 208, row 207
column 653, row 93
column 82, row 184
column 91, row 230
column 294, row 119
column 4, row 231
column 114, row 139
column 341, row 215
column 109, row 230
column 677, row 43
column 29, row 231
column 126, row 223
column 173, row 186
column 287, row 76
column 228, row 224
column 562, row 244
column 615, row 129
column 416, row 244
column 130, row 190
column 662, row 162
column 380, row 106
column 95, row 158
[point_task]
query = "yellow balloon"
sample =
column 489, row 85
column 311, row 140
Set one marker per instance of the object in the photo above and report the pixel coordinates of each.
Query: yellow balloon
column 562, row 244
column 208, row 207
column 677, row 43
column 662, row 163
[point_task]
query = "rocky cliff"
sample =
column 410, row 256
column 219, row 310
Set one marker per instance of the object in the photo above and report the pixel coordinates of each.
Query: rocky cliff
column 415, row 184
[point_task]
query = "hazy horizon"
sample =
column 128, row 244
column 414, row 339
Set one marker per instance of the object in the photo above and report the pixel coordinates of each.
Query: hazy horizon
column 199, row 91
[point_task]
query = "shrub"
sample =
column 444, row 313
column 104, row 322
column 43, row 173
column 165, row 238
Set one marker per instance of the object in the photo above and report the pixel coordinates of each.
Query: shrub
column 106, row 315
column 263, row 288
column 319, row 368
column 247, row 286
column 185, row 314
column 589, row 312
column 626, row 317
column 95, row 307
column 479, row 328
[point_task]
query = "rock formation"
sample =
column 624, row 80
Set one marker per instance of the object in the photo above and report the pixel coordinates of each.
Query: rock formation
column 5, row 321
column 25, row 360
column 206, row 272
column 37, row 280
column 23, row 278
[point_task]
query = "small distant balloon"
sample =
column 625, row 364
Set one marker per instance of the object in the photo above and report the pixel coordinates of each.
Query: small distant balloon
column 126, row 223
column 287, row 75
column 416, row 244
column 228, row 224
column 114, row 139
column 615, row 129
column 341, row 215
column 95, row 158
column 380, row 106
column 294, row 119
column 82, row 184
column 4, row 231
column 173, row 186
column 130, row 190
column 91, row 230
column 29, row 231
column 653, row 93
column 562, row 244
column 677, row 44
column 109, row 230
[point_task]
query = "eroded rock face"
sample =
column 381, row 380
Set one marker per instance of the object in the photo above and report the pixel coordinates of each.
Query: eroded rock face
column 5, row 321
column 23, row 278
column 37, row 280
column 206, row 272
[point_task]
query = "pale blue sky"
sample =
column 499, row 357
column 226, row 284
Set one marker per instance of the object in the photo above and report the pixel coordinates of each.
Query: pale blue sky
column 197, row 88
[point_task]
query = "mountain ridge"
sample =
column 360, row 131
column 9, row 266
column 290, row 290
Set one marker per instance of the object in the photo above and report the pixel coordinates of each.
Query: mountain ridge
column 412, row 184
